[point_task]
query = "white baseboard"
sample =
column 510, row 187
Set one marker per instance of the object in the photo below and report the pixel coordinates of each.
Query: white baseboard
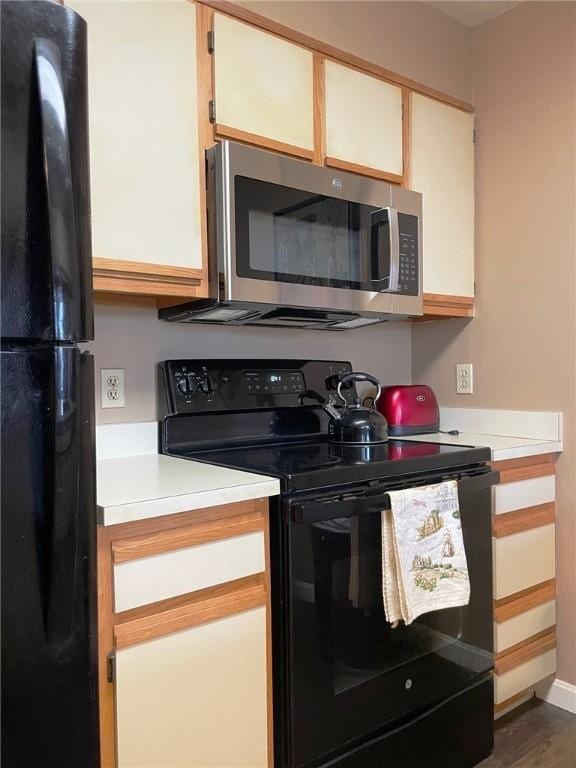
column 559, row 693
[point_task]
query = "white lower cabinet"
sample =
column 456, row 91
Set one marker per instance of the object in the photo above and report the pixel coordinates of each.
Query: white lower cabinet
column 195, row 698
column 524, row 676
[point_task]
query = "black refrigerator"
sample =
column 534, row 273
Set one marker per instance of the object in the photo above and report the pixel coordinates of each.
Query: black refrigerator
column 48, row 519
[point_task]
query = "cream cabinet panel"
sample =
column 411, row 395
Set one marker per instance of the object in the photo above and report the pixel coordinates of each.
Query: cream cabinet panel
column 139, row 582
column 363, row 119
column 523, row 560
column 524, row 676
column 263, row 85
column 442, row 169
column 524, row 494
column 523, row 626
column 196, row 698
column 143, row 131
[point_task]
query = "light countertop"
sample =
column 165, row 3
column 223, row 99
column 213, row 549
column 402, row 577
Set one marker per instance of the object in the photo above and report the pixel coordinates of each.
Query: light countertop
column 139, row 487
column 502, row 448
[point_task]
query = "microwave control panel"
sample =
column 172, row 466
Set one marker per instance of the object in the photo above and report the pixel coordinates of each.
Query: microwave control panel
column 189, row 386
column 409, row 258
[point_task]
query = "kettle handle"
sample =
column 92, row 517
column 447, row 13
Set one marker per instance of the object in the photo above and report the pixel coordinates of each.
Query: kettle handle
column 359, row 376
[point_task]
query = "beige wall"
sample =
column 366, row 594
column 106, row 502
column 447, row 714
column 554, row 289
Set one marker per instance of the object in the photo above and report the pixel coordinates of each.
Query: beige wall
column 134, row 339
column 410, row 38
column 522, row 342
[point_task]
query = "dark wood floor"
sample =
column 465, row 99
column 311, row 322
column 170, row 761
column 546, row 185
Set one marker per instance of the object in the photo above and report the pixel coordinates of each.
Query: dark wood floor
column 536, row 735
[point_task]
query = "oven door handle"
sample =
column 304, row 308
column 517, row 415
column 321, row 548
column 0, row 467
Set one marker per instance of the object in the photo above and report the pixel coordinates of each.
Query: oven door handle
column 318, row 511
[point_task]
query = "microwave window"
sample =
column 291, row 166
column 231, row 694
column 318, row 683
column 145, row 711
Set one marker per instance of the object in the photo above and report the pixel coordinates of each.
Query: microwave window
column 297, row 236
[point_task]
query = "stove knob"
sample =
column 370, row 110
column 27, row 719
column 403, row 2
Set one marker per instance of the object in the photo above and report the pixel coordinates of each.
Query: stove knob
column 192, row 383
column 206, row 384
column 183, row 385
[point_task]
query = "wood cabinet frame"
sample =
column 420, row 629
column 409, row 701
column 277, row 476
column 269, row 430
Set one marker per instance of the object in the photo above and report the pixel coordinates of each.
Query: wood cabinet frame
column 519, row 603
column 131, row 541
column 118, row 281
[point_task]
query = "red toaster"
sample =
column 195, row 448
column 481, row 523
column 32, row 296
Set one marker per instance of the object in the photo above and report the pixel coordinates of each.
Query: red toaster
column 409, row 409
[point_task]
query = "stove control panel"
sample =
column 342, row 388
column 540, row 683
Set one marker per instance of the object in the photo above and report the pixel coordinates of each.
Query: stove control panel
column 278, row 382
column 188, row 386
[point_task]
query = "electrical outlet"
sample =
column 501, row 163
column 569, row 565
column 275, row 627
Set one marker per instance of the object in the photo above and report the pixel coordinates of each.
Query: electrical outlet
column 464, row 378
column 112, row 387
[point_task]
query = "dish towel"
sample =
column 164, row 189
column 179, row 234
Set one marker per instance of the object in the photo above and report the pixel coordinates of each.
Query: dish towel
column 424, row 564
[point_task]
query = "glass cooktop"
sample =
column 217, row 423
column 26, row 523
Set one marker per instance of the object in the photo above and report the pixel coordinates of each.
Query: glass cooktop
column 319, row 463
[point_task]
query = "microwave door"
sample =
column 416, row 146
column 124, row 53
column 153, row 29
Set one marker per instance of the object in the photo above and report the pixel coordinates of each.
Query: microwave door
column 385, row 250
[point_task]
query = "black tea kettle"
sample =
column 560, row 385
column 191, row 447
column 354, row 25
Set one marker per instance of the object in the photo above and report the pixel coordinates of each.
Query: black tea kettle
column 356, row 424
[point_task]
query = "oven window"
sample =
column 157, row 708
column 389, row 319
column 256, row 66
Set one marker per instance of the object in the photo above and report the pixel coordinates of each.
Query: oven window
column 294, row 236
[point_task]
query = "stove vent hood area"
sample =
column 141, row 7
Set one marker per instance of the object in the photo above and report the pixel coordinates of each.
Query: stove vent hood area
column 237, row 313
column 292, row 245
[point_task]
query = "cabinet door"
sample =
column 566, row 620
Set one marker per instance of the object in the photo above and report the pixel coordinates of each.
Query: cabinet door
column 442, row 169
column 262, row 88
column 196, row 698
column 143, row 131
column 363, row 122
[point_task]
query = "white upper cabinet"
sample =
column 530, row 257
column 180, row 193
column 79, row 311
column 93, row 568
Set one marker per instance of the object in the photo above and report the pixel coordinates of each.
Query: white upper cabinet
column 363, row 120
column 143, row 131
column 263, row 85
column 442, row 169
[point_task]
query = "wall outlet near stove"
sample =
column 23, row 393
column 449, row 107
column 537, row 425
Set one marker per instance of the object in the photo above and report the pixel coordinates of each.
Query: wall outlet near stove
column 464, row 378
column 112, row 385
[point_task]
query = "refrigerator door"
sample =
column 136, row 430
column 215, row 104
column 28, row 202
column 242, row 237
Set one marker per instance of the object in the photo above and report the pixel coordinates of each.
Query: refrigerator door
column 46, row 247
column 48, row 572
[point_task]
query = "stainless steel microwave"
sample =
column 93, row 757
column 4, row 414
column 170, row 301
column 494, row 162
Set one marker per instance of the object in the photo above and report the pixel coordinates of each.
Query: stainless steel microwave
column 296, row 245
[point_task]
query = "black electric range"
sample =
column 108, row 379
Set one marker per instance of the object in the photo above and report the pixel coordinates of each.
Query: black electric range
column 349, row 691
column 317, row 463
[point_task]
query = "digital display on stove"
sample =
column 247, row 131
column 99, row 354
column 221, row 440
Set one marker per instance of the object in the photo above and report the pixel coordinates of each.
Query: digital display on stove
column 277, row 382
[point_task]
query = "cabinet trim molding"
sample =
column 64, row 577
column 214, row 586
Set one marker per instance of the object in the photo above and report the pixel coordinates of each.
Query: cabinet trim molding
column 440, row 305
column 525, row 651
column 136, row 277
column 524, row 461
column 106, row 701
column 521, row 602
column 175, row 614
column 294, row 36
column 519, row 520
column 137, row 547
column 516, row 474
column 406, row 133
column 514, row 701
column 344, row 165
column 319, row 107
column 227, row 132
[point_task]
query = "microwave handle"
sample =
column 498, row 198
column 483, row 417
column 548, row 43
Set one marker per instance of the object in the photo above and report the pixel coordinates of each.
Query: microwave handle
column 386, row 217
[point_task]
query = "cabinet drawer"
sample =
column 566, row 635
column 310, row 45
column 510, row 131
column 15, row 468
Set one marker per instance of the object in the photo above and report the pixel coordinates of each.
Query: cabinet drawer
column 150, row 579
column 509, row 497
column 524, row 676
column 523, row 626
column 523, row 560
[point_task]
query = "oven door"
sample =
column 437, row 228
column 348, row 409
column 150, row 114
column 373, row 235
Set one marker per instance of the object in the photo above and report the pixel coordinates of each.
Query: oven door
column 349, row 674
column 293, row 234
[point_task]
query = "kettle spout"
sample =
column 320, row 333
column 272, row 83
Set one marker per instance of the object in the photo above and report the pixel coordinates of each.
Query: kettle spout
column 330, row 408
